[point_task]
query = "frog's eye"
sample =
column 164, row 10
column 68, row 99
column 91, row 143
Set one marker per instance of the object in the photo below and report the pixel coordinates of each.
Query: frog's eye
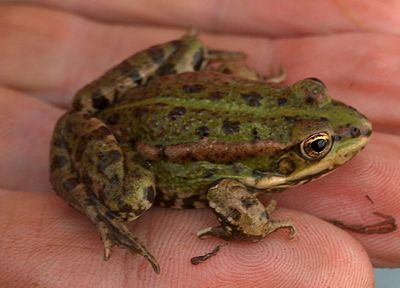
column 316, row 146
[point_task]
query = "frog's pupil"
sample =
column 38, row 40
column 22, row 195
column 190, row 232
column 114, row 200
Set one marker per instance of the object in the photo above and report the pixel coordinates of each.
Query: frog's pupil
column 318, row 145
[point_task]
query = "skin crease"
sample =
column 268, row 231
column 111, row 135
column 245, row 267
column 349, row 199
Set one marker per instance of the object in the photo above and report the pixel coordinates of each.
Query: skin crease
column 50, row 53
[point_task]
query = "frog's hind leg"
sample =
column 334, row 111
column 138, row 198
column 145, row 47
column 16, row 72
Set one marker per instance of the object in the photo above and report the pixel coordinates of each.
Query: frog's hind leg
column 106, row 184
column 240, row 214
column 277, row 74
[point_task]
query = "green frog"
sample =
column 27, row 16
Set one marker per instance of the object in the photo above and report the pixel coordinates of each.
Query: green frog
column 178, row 125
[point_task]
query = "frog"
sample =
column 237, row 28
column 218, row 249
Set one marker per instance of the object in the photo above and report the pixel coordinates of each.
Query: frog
column 178, row 125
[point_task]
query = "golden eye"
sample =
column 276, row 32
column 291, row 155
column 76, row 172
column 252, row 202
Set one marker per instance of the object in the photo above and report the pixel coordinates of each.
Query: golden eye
column 316, row 146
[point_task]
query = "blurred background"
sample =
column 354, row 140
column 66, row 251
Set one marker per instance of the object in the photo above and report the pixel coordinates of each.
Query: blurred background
column 387, row 278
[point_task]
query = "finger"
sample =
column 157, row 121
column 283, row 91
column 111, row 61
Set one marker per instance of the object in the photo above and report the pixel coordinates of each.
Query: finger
column 354, row 192
column 270, row 18
column 357, row 68
column 26, row 126
column 59, row 246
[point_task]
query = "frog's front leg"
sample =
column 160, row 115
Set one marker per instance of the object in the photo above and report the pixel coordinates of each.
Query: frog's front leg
column 99, row 177
column 241, row 214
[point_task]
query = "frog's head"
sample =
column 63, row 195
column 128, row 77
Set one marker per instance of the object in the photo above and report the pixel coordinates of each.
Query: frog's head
column 322, row 135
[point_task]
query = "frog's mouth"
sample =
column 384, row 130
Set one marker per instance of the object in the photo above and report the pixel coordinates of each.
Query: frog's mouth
column 341, row 153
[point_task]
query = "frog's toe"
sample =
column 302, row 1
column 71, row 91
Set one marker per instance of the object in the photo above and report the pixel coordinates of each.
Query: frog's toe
column 217, row 231
column 277, row 74
column 274, row 225
column 108, row 243
column 116, row 233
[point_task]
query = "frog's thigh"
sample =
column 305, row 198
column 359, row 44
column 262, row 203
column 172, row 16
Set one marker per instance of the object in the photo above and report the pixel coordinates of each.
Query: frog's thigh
column 90, row 187
column 241, row 214
column 122, row 185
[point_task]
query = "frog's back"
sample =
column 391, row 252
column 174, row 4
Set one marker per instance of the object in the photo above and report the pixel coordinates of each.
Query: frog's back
column 196, row 105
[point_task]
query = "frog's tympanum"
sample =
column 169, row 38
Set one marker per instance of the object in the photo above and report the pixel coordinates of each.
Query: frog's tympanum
column 169, row 127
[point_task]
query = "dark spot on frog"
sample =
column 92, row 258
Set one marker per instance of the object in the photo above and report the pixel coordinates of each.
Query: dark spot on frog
column 141, row 112
column 189, row 202
column 310, row 100
column 234, row 213
column 58, row 162
column 156, row 54
column 113, row 119
column 176, row 112
column 146, row 164
column 99, row 133
column 115, row 180
column 60, row 143
column 195, row 88
column 165, row 202
column 99, row 100
column 77, row 105
column 107, row 158
column 123, row 208
column 252, row 98
column 226, row 70
column 323, row 119
column 282, row 101
column 355, row 132
column 202, row 131
column 236, row 168
column 197, row 59
column 215, row 95
column 230, row 127
column 166, row 69
column 290, row 119
column 248, row 202
column 87, row 180
column 286, row 166
column 135, row 76
column 208, row 173
column 70, row 184
column 255, row 135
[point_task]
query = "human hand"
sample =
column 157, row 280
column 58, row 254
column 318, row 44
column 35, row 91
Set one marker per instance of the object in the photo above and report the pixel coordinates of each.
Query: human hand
column 48, row 53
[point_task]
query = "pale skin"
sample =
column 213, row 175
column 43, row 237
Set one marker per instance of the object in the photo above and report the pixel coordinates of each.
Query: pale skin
column 47, row 54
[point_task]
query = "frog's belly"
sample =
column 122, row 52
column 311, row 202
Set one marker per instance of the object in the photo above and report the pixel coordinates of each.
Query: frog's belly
column 182, row 185
column 176, row 192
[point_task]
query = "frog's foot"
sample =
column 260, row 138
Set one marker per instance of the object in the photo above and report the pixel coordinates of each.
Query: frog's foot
column 241, row 214
column 114, row 232
column 277, row 75
column 238, row 69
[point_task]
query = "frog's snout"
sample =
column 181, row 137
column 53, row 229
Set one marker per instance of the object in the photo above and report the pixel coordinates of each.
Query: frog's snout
column 365, row 128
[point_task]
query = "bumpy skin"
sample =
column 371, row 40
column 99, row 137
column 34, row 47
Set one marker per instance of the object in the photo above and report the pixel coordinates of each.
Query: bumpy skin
column 166, row 127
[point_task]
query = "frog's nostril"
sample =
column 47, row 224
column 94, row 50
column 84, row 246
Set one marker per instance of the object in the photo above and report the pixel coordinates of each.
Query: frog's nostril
column 355, row 132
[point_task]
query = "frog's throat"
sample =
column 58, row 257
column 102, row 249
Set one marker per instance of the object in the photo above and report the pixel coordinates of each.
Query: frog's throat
column 334, row 159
